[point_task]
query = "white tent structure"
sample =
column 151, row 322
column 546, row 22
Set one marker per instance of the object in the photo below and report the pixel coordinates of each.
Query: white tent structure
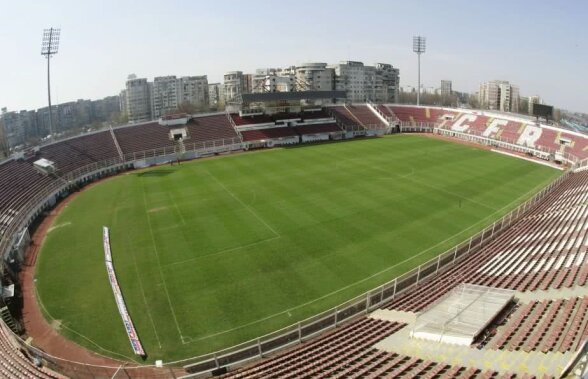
column 461, row 315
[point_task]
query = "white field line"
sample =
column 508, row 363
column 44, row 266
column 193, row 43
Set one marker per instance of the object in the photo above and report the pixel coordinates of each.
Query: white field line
column 145, row 299
column 169, row 227
column 58, row 226
column 159, row 266
column 448, row 192
column 541, row 162
column 177, row 208
column 411, row 173
column 244, row 205
column 190, row 340
column 411, row 178
column 222, row 251
column 62, row 325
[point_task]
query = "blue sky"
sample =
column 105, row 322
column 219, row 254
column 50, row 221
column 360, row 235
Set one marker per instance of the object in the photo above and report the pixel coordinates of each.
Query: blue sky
column 542, row 46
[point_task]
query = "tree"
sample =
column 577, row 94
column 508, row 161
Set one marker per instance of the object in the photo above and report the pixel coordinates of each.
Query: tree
column 474, row 102
column 119, row 118
column 189, row 108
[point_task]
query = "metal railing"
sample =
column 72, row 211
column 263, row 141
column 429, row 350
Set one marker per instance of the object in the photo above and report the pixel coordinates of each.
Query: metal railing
column 31, row 208
column 284, row 337
column 362, row 304
column 508, row 144
column 417, row 127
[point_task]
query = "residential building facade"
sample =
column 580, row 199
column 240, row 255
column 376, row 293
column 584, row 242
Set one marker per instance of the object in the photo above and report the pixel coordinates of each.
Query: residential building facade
column 194, row 90
column 499, row 95
column 314, row 76
column 377, row 83
column 138, row 99
column 216, row 94
column 234, row 85
column 446, row 88
column 165, row 95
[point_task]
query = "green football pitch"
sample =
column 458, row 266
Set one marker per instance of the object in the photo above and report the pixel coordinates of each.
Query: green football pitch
column 219, row 251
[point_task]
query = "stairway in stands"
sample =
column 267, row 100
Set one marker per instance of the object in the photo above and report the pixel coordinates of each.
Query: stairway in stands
column 8, row 320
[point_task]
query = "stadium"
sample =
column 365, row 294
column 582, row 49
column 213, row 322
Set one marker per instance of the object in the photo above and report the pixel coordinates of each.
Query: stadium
column 351, row 240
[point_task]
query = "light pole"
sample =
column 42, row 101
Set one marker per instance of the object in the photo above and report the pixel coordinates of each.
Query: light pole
column 418, row 46
column 49, row 48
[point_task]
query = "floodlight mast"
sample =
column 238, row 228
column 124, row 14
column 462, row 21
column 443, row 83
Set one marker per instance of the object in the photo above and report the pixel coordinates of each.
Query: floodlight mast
column 419, row 46
column 49, row 48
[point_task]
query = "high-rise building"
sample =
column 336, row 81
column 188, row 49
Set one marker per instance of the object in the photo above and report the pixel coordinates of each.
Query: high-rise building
column 247, row 83
column 273, row 80
column 30, row 126
column 446, row 88
column 104, row 109
column 388, row 81
column 17, row 127
column 216, row 94
column 314, row 76
column 532, row 101
column 71, row 115
column 138, row 95
column 234, row 85
column 122, row 98
column 499, row 95
column 379, row 83
column 194, row 90
column 165, row 95
column 350, row 77
column 375, row 83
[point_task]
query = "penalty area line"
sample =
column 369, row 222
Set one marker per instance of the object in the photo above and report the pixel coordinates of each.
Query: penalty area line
column 171, row 308
column 244, row 205
column 189, row 340
column 222, row 251
column 145, row 299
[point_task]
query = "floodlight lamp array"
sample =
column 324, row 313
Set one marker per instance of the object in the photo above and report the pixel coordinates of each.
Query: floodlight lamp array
column 419, row 44
column 50, row 44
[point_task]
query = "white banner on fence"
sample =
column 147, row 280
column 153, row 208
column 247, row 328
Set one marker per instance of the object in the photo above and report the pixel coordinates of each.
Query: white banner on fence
column 120, row 303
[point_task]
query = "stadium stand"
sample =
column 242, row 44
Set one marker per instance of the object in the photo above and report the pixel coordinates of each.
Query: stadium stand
column 248, row 120
column 345, row 117
column 511, row 131
column 365, row 116
column 579, row 147
column 317, row 128
column 210, row 128
column 348, row 352
column 548, row 139
column 471, row 123
column 145, row 137
column 521, row 132
column 74, row 153
column 285, row 116
column 18, row 184
column 16, row 364
column 416, row 114
column 544, row 250
column 313, row 114
column 548, row 325
column 386, row 111
column 268, row 133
